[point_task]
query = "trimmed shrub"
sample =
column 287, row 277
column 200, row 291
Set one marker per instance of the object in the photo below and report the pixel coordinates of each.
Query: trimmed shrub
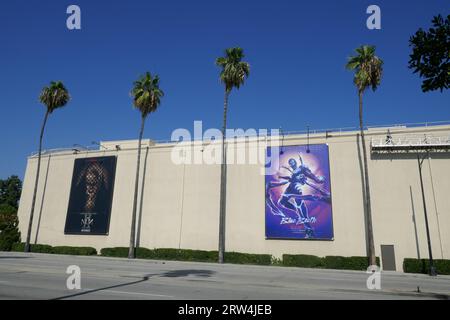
column 77, row 251
column 411, row 265
column 144, row 253
column 335, row 262
column 189, row 255
column 182, row 255
column 328, row 262
column 168, row 254
column 37, row 248
column 348, row 263
column 302, row 260
column 247, row 258
column 121, row 252
column 41, row 248
column 202, row 255
column 45, row 248
column 442, row 266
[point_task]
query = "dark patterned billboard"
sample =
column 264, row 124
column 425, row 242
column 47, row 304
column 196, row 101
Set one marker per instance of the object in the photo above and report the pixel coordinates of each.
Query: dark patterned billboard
column 298, row 194
column 91, row 196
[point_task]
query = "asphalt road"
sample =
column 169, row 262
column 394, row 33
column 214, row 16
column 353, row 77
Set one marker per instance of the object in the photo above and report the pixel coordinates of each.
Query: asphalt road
column 43, row 276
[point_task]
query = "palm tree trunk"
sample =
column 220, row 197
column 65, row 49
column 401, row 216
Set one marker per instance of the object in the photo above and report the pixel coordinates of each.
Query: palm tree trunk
column 132, row 251
column 36, row 182
column 372, row 258
column 223, row 182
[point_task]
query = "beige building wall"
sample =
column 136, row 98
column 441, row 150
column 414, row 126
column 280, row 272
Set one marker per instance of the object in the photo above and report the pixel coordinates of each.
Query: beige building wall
column 180, row 207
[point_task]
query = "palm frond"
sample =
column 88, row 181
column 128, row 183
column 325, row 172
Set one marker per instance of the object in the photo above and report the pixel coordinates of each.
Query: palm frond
column 146, row 93
column 234, row 71
column 367, row 66
column 54, row 96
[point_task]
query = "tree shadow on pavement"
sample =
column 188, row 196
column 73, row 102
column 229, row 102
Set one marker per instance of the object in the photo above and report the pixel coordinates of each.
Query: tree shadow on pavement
column 170, row 274
column 185, row 273
column 144, row 278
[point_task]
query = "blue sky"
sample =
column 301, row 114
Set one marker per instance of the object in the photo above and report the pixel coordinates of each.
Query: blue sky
column 297, row 51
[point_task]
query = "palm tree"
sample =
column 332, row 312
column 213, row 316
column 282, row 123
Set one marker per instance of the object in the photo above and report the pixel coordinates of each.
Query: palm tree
column 53, row 97
column 233, row 74
column 368, row 71
column 146, row 98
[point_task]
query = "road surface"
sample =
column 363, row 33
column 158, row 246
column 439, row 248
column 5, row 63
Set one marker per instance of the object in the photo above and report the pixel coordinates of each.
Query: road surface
column 43, row 276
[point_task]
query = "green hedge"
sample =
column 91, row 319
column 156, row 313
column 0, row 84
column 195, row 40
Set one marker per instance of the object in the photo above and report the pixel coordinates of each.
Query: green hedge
column 121, row 252
column 189, row 255
column 299, row 260
column 44, row 248
column 302, row 260
column 177, row 254
column 328, row 262
column 247, row 258
column 348, row 263
column 411, row 265
column 162, row 254
column 38, row 248
column 442, row 266
column 77, row 251
column 180, row 254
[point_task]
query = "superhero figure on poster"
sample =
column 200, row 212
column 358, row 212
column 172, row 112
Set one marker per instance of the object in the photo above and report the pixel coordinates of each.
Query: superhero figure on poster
column 93, row 184
column 292, row 200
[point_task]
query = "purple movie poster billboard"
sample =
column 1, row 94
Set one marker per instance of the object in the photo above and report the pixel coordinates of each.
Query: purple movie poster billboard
column 298, row 194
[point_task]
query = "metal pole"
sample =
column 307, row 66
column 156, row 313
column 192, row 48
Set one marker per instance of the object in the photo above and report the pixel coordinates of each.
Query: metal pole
column 432, row 270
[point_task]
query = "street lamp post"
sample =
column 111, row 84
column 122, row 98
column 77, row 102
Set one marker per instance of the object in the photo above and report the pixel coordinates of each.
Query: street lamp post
column 432, row 270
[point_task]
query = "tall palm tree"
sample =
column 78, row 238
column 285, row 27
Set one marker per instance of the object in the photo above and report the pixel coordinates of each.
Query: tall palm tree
column 233, row 74
column 53, row 97
column 368, row 70
column 146, row 96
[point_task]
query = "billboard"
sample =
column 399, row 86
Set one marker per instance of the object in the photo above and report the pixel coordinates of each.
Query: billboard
column 91, row 196
column 298, row 194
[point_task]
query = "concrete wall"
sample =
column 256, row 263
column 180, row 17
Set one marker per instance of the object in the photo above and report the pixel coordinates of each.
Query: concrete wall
column 180, row 207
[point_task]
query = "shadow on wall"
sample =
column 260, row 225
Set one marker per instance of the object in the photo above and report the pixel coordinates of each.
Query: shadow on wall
column 138, row 233
column 413, row 156
column 361, row 169
column 414, row 222
column 42, row 201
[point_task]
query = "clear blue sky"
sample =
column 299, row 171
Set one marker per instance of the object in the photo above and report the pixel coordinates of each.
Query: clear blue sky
column 297, row 51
